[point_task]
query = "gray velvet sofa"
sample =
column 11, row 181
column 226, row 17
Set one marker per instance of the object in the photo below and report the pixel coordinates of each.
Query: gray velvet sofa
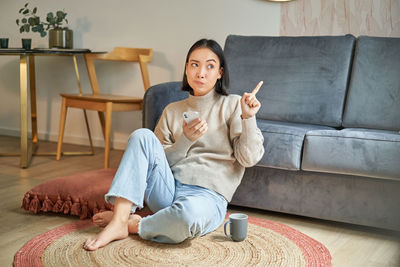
column 330, row 117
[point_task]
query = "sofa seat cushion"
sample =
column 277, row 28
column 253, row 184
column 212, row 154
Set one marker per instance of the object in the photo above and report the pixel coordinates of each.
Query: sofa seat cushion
column 283, row 143
column 354, row 151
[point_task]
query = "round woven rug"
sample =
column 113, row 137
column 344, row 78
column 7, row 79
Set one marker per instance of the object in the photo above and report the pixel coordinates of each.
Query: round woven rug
column 267, row 244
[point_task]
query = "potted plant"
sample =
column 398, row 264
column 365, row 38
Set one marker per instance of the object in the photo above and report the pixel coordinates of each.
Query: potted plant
column 29, row 22
column 59, row 37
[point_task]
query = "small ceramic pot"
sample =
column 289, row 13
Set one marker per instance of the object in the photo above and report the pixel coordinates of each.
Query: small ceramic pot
column 26, row 43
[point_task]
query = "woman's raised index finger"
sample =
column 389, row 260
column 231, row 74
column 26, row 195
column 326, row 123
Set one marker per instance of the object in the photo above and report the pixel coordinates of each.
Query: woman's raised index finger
column 255, row 91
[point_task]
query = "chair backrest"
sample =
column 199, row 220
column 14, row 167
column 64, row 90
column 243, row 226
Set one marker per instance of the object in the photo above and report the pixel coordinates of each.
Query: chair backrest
column 126, row 54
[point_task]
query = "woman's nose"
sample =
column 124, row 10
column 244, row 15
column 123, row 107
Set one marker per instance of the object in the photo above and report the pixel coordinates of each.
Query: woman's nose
column 201, row 73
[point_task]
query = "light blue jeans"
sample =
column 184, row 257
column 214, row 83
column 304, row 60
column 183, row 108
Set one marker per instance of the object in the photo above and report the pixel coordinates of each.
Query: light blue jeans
column 180, row 211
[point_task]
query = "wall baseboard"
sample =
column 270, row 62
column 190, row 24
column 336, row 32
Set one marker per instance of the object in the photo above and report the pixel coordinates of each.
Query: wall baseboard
column 76, row 140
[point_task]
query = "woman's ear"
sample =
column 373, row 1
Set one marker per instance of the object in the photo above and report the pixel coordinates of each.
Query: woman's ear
column 221, row 71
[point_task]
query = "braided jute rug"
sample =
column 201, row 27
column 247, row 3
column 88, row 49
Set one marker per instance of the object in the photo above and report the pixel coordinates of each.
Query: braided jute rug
column 267, row 244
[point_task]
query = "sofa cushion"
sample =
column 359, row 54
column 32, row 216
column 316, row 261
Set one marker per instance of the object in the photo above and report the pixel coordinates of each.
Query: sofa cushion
column 283, row 143
column 305, row 78
column 373, row 99
column 353, row 151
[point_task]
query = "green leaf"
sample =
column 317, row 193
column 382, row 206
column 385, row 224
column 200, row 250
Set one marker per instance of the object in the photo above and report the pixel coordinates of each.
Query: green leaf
column 35, row 29
column 21, row 29
column 50, row 15
column 34, row 10
column 26, row 27
column 26, row 11
column 21, row 10
column 66, row 21
column 26, row 5
column 43, row 34
column 24, row 20
column 60, row 14
column 31, row 21
column 17, row 21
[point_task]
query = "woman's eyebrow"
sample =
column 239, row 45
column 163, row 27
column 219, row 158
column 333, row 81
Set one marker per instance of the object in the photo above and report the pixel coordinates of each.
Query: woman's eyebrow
column 194, row 60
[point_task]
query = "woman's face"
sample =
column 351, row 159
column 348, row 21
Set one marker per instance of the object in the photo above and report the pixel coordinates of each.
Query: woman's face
column 203, row 70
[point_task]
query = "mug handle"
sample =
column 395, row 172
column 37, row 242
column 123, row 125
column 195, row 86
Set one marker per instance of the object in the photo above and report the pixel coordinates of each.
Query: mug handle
column 225, row 225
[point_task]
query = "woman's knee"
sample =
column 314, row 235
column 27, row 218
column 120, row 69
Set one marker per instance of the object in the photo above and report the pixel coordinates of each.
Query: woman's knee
column 141, row 133
column 141, row 136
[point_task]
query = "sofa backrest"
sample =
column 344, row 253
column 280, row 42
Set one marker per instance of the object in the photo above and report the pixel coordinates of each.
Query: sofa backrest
column 373, row 99
column 305, row 78
column 156, row 98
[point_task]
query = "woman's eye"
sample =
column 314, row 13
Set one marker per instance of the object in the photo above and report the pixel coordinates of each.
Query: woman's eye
column 194, row 65
column 210, row 66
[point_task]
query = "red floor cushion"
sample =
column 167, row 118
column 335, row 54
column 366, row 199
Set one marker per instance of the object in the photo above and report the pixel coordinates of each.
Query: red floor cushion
column 81, row 194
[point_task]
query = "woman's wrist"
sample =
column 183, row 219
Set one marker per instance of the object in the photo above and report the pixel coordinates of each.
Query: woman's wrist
column 244, row 117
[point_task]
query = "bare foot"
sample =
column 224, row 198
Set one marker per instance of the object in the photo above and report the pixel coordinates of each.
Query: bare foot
column 133, row 223
column 115, row 230
column 102, row 219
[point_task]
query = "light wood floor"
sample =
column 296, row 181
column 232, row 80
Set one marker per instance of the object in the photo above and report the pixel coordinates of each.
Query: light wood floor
column 349, row 245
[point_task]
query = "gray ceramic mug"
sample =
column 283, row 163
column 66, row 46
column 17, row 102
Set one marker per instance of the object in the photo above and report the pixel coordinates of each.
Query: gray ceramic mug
column 237, row 226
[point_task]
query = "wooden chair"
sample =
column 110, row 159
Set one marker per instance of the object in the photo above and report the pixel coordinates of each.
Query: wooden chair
column 105, row 102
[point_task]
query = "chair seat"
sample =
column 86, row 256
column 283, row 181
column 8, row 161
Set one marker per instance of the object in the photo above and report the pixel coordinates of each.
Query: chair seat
column 104, row 98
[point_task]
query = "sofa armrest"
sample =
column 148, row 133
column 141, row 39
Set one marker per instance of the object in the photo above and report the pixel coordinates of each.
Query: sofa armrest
column 156, row 98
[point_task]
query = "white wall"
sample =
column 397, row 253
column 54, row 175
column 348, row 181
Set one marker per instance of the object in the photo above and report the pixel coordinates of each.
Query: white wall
column 170, row 27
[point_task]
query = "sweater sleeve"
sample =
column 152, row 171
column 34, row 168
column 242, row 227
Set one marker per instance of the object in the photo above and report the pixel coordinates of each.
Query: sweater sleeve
column 247, row 139
column 175, row 148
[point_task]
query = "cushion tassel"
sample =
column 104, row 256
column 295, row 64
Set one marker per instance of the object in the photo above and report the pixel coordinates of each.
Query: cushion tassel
column 67, row 205
column 103, row 208
column 34, row 205
column 76, row 208
column 84, row 211
column 47, row 204
column 57, row 207
column 95, row 209
column 26, row 201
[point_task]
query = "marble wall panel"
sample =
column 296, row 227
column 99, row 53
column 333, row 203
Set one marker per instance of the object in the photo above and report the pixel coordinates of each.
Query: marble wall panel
column 337, row 17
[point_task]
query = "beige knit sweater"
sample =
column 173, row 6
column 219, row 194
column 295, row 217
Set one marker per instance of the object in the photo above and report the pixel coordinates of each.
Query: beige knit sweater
column 217, row 159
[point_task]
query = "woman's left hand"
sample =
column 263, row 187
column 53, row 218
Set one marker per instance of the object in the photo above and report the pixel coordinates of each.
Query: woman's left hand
column 249, row 103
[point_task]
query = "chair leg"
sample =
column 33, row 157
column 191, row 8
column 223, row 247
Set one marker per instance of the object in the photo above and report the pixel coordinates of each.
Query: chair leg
column 63, row 117
column 88, row 132
column 107, row 135
column 102, row 122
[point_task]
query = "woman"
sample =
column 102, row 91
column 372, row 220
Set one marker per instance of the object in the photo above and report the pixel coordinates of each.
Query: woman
column 185, row 172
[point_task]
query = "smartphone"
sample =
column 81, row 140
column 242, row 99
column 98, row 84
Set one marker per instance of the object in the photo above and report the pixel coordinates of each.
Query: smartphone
column 190, row 115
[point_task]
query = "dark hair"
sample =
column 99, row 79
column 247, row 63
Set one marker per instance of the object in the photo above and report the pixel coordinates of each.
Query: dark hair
column 222, row 84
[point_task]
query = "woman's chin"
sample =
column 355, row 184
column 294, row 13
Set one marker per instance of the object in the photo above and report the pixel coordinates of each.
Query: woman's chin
column 201, row 91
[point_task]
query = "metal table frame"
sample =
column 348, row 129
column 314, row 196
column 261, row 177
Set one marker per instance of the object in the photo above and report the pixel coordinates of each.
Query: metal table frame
column 27, row 69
